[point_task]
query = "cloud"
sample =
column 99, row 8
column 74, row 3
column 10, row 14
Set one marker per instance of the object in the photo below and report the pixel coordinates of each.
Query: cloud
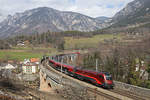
column 96, row 8
column 93, row 8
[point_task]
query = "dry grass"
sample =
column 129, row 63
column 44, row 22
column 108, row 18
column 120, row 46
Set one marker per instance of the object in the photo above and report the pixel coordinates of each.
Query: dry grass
column 71, row 43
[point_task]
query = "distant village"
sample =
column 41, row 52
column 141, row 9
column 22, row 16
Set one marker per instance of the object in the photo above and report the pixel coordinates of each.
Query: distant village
column 143, row 73
column 31, row 67
column 24, row 70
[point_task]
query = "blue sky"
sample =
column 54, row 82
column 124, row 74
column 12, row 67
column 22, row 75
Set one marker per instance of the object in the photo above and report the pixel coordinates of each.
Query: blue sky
column 93, row 8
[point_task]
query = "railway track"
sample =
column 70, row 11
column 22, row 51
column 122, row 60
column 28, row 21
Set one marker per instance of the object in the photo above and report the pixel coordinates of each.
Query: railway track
column 115, row 94
column 109, row 97
column 129, row 94
column 110, row 94
column 95, row 91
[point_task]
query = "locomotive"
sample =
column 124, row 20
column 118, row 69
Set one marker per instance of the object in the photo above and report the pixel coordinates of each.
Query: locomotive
column 100, row 79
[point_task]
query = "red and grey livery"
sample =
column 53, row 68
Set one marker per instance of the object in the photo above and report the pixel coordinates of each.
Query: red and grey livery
column 102, row 79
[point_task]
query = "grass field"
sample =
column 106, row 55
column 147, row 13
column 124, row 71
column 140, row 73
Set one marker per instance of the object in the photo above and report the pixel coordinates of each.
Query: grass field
column 21, row 53
column 71, row 43
column 15, row 55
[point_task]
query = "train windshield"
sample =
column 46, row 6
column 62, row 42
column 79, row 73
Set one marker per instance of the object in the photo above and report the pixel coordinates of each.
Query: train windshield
column 108, row 77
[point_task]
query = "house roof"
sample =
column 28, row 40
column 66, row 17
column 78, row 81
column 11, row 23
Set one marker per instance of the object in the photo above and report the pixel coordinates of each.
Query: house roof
column 34, row 60
column 30, row 64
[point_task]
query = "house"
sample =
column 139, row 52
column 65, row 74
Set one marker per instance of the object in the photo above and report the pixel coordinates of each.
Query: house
column 20, row 43
column 26, row 61
column 137, row 67
column 7, row 66
column 30, row 68
column 35, row 60
column 143, row 73
column 10, row 61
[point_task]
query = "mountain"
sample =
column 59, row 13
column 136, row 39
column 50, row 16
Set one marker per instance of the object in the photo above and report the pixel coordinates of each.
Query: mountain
column 103, row 19
column 1, row 17
column 135, row 12
column 43, row 19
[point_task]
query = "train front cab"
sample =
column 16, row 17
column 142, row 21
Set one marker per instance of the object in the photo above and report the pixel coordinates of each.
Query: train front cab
column 106, row 81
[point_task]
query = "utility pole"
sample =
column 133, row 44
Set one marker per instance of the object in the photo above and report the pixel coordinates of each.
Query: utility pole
column 58, row 58
column 96, row 65
column 61, row 63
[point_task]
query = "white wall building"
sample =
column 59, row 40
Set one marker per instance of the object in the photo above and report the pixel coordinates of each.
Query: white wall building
column 7, row 66
column 30, row 68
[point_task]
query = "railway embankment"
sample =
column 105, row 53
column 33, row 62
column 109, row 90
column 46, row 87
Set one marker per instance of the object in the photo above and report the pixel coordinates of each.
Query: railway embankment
column 132, row 89
column 81, row 86
column 100, row 93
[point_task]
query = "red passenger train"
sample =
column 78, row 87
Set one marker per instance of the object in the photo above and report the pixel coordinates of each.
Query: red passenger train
column 102, row 79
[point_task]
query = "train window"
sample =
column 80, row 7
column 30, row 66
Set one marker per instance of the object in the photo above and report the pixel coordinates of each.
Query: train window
column 92, row 80
column 75, row 69
column 108, row 77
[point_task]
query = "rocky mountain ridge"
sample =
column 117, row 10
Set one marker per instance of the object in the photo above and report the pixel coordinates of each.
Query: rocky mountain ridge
column 43, row 19
column 135, row 12
column 104, row 19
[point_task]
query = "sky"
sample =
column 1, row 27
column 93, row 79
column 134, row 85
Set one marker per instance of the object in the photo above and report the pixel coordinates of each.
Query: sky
column 93, row 8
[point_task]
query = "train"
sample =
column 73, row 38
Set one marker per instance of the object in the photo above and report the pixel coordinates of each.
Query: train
column 100, row 79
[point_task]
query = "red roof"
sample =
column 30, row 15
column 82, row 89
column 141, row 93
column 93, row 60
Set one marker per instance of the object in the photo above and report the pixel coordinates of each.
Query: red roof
column 34, row 60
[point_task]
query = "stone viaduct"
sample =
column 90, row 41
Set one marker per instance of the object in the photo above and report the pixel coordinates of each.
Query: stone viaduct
column 50, row 79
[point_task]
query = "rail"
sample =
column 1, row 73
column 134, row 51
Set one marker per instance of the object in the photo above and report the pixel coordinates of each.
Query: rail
column 116, row 94
column 67, row 80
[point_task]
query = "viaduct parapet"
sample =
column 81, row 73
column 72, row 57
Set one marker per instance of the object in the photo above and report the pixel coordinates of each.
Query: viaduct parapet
column 50, row 80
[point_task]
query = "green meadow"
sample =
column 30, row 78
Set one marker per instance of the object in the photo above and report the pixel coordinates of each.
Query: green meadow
column 93, row 42
column 15, row 55
column 21, row 53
